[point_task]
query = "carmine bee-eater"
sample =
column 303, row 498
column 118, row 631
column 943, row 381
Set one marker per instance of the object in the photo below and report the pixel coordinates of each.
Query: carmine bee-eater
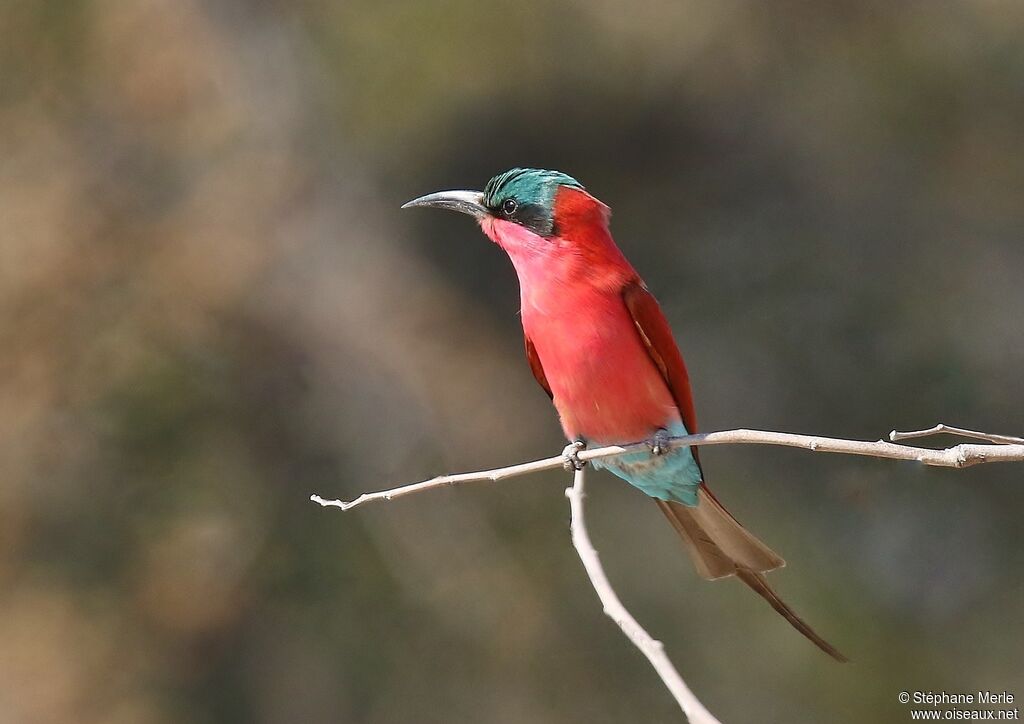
column 599, row 345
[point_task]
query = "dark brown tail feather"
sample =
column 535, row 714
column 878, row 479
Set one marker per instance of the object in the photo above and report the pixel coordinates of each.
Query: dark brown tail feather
column 757, row 582
column 709, row 560
column 720, row 547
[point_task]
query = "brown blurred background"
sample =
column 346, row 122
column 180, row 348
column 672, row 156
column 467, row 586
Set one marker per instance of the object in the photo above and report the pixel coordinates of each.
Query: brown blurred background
column 212, row 307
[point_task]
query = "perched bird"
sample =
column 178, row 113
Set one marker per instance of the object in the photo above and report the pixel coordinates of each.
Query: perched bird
column 599, row 345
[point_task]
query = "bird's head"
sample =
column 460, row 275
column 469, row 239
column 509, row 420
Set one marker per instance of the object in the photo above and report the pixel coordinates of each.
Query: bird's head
column 527, row 208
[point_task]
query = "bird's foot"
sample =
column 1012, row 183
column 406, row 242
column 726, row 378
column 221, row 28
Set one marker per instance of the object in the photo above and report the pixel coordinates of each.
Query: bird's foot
column 571, row 455
column 659, row 444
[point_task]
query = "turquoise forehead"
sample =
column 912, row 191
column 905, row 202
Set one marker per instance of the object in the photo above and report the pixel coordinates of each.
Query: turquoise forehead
column 527, row 186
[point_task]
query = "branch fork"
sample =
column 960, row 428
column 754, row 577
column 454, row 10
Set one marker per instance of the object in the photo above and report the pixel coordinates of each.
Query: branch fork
column 997, row 448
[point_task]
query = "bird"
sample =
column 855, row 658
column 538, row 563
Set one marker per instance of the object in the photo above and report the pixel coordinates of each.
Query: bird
column 600, row 346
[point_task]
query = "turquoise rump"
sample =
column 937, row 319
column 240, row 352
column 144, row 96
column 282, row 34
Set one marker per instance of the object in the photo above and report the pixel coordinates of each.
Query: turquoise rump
column 673, row 476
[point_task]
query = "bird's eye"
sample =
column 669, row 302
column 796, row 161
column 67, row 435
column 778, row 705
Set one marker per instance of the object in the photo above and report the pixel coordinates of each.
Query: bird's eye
column 509, row 207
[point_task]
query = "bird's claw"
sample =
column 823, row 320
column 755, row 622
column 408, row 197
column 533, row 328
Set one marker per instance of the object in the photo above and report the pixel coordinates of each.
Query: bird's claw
column 659, row 444
column 571, row 456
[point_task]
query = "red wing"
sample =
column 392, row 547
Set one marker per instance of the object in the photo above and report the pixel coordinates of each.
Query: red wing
column 535, row 366
column 661, row 346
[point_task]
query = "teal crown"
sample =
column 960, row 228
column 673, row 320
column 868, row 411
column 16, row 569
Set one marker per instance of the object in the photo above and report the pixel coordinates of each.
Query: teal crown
column 526, row 196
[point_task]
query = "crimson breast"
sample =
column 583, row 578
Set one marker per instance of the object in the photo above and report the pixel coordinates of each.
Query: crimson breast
column 606, row 388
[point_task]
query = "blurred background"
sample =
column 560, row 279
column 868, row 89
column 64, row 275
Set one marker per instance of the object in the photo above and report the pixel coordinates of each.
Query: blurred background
column 211, row 307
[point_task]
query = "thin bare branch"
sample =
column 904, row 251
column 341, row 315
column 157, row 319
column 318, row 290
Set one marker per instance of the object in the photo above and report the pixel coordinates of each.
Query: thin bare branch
column 485, row 476
column 1008, row 449
column 941, row 429
column 958, row 456
column 613, row 608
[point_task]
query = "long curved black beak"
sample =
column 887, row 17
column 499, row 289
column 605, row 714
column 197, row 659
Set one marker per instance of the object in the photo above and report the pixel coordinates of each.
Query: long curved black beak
column 466, row 202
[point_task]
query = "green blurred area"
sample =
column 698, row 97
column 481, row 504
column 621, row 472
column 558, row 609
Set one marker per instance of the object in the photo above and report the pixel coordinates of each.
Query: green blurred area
column 211, row 307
